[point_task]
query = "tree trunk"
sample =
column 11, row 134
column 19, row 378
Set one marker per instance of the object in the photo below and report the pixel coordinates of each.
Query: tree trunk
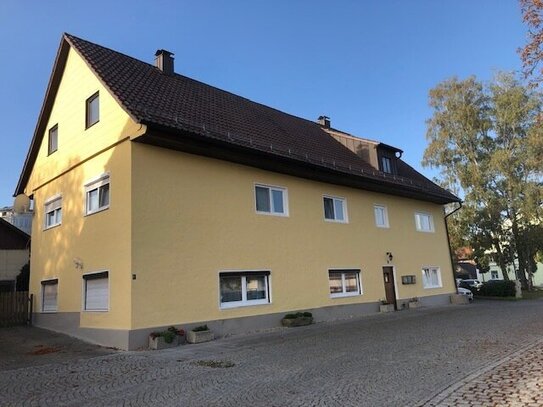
column 521, row 272
column 501, row 261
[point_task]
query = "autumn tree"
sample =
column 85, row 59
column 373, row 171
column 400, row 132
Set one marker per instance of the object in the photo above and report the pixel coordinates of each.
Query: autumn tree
column 486, row 143
column 532, row 53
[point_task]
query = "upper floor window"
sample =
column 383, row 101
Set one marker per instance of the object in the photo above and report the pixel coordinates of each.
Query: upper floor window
column 271, row 200
column 92, row 114
column 431, row 277
column 335, row 209
column 424, row 222
column 344, row 283
column 52, row 144
column 381, row 216
column 53, row 212
column 244, row 288
column 386, row 165
column 97, row 195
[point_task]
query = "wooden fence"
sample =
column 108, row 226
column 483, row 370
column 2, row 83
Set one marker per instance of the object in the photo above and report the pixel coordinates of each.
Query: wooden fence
column 15, row 308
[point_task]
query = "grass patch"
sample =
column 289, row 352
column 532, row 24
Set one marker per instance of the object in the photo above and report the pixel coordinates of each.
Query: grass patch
column 215, row 364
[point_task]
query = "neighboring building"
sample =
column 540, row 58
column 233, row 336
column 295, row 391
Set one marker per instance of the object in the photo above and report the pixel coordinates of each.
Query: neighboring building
column 22, row 220
column 496, row 273
column 160, row 200
column 14, row 245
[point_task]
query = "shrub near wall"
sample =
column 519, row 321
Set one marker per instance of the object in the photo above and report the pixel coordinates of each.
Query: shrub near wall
column 497, row 289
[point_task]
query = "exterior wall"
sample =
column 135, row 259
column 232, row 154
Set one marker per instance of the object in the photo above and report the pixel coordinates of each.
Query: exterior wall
column 100, row 241
column 11, row 262
column 193, row 217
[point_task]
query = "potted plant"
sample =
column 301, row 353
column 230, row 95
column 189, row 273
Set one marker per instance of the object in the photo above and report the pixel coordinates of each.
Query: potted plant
column 297, row 319
column 200, row 334
column 414, row 302
column 165, row 339
column 384, row 306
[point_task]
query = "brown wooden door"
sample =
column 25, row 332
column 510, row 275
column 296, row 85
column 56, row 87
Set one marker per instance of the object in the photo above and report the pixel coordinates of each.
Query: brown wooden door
column 388, row 277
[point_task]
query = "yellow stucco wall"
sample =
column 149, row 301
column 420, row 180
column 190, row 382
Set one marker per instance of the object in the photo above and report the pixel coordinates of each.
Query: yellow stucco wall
column 102, row 240
column 194, row 217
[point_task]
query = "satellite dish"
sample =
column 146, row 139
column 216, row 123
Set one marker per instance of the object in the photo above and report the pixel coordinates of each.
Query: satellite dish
column 21, row 204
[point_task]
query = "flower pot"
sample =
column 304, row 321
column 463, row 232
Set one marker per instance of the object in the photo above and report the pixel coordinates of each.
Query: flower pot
column 386, row 308
column 299, row 321
column 158, row 343
column 199, row 336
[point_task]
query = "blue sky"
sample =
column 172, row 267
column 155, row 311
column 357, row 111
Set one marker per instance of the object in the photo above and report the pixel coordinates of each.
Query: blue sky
column 366, row 64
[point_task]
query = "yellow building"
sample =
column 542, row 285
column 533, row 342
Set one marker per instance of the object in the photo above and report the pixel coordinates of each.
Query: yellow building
column 161, row 201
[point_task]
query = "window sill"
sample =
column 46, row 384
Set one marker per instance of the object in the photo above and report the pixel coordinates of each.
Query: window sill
column 343, row 295
column 52, row 227
column 336, row 221
column 426, row 231
column 282, row 215
column 244, row 305
column 49, row 312
column 433, row 287
column 105, row 208
column 95, row 310
column 383, row 227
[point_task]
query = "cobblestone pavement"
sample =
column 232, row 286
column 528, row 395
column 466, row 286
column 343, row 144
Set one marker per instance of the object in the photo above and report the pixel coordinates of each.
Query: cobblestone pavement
column 397, row 359
column 515, row 381
column 22, row 346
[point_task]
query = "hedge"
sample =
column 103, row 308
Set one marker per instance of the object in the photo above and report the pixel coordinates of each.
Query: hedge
column 498, row 289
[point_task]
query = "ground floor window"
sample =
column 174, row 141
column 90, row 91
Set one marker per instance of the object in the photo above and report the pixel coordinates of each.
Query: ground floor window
column 49, row 295
column 96, row 291
column 344, row 283
column 431, row 277
column 244, row 288
column 494, row 274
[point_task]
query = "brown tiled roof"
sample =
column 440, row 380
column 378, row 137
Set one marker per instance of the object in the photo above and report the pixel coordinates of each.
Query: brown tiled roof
column 181, row 105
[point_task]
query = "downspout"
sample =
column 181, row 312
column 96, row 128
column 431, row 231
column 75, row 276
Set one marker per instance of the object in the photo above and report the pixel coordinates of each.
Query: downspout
column 449, row 245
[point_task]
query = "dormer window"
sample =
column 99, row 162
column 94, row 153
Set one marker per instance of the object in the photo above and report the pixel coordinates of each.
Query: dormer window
column 386, row 165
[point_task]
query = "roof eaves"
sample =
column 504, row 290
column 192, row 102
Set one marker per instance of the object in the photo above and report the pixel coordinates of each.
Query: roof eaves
column 50, row 93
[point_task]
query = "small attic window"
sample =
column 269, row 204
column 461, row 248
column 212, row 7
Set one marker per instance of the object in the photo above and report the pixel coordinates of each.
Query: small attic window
column 52, row 143
column 92, row 115
column 386, row 165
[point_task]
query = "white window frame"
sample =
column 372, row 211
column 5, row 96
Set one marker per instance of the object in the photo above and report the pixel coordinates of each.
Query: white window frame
column 343, row 203
column 96, row 184
column 386, row 224
column 418, row 223
column 84, row 292
column 343, row 271
column 43, row 284
column 244, row 301
column 271, row 188
column 50, row 206
column 496, row 273
column 425, row 284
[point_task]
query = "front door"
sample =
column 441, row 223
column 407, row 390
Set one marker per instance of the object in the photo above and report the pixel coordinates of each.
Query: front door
column 388, row 276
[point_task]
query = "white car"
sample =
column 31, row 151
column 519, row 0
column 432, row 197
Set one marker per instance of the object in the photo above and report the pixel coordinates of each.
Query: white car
column 466, row 292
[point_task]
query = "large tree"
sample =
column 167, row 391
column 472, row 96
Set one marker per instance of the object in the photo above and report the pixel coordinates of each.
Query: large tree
column 486, row 142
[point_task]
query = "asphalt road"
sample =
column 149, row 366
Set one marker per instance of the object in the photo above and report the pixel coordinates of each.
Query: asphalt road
column 398, row 359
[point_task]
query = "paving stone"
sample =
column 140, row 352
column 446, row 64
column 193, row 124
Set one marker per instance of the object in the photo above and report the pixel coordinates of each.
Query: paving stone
column 398, row 359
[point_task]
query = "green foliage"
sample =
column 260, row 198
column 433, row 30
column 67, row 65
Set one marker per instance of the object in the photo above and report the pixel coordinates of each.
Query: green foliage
column 498, row 289
column 200, row 328
column 307, row 314
column 488, row 144
column 23, row 278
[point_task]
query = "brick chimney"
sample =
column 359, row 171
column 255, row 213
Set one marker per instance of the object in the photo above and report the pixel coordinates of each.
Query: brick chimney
column 324, row 121
column 164, row 61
